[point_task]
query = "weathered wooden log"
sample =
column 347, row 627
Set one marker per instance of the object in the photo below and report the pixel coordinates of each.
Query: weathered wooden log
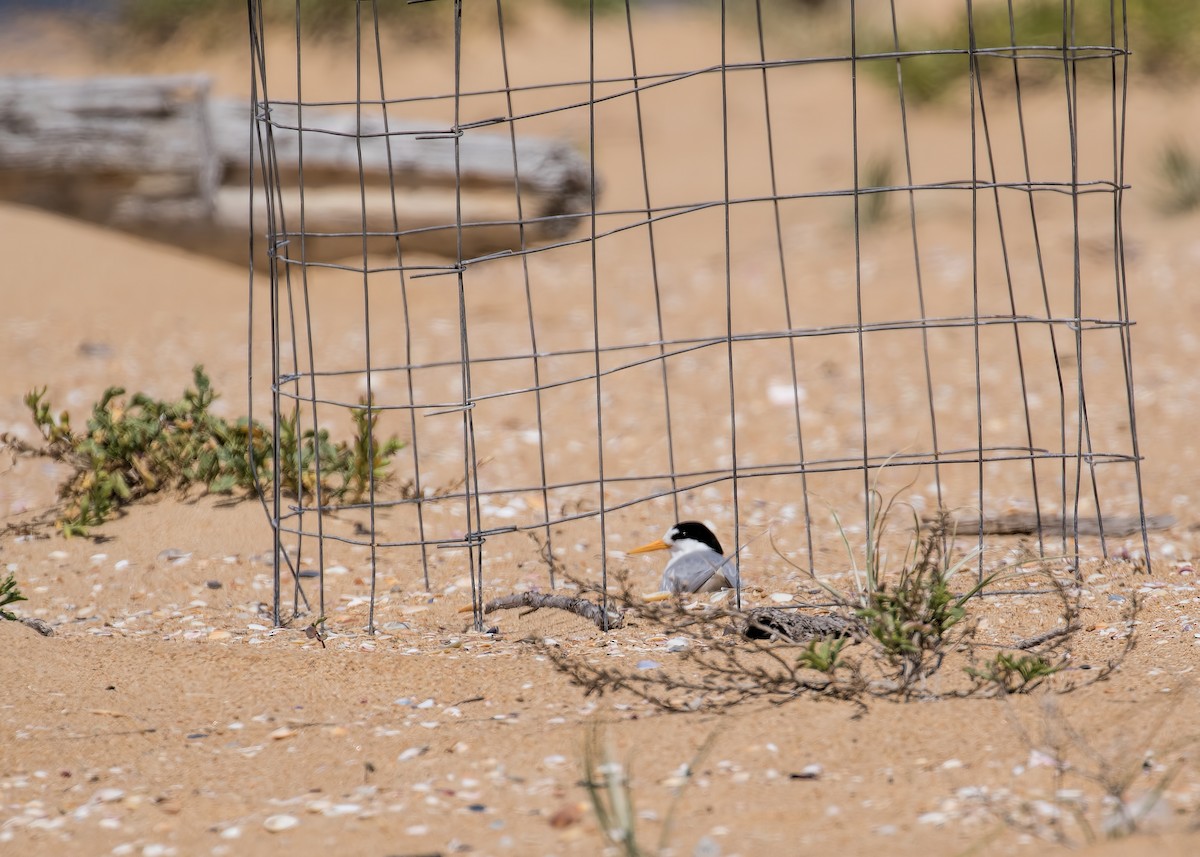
column 329, row 142
column 157, row 156
column 333, row 222
column 361, row 173
column 119, row 151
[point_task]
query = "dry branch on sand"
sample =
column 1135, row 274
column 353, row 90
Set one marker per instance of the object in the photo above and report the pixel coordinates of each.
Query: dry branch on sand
column 613, row 618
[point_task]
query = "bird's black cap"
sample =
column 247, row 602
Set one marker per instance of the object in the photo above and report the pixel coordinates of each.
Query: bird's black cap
column 697, row 532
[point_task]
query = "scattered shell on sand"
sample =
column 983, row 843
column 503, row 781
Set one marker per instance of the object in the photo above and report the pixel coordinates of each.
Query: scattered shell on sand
column 342, row 809
column 278, row 823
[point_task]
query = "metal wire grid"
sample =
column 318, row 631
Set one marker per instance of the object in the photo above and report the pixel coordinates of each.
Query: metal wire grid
column 298, row 384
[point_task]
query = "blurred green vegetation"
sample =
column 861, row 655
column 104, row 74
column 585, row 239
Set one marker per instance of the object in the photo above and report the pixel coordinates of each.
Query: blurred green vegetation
column 1179, row 178
column 603, row 7
column 158, row 20
column 736, row 7
column 1164, row 36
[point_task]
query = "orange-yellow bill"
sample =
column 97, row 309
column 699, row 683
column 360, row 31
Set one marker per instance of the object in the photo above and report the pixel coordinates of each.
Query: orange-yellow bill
column 658, row 545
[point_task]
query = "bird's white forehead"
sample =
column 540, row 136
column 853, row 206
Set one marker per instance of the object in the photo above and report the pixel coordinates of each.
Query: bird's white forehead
column 685, row 545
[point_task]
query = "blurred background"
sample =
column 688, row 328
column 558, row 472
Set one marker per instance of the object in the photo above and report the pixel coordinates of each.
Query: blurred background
column 89, row 308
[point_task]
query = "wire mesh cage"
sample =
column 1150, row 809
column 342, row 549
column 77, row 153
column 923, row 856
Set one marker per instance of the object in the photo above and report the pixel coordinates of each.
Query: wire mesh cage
column 654, row 267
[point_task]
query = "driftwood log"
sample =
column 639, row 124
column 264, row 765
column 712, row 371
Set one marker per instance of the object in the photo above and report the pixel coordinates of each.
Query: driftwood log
column 157, row 156
column 1026, row 523
column 124, row 152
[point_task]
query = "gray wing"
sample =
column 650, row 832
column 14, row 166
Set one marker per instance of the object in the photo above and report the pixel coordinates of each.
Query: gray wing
column 699, row 571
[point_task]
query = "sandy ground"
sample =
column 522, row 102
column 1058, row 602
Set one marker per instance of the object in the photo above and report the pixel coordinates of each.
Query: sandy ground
column 166, row 716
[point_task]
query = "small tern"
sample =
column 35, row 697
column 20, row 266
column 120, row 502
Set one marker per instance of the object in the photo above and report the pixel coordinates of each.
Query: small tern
column 697, row 562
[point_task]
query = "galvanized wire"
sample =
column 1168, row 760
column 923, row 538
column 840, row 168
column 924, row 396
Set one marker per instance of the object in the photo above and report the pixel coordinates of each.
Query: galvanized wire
column 308, row 389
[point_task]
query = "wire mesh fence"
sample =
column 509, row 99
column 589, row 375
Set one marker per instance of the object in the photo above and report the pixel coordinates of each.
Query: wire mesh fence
column 651, row 267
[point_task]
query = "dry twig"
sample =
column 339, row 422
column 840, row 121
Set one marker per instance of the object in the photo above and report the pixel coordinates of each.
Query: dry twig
column 579, row 606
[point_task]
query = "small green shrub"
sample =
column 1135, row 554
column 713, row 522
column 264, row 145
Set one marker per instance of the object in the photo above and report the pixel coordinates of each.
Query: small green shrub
column 823, row 655
column 1013, row 673
column 909, row 615
column 369, row 458
column 9, row 594
column 131, row 450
